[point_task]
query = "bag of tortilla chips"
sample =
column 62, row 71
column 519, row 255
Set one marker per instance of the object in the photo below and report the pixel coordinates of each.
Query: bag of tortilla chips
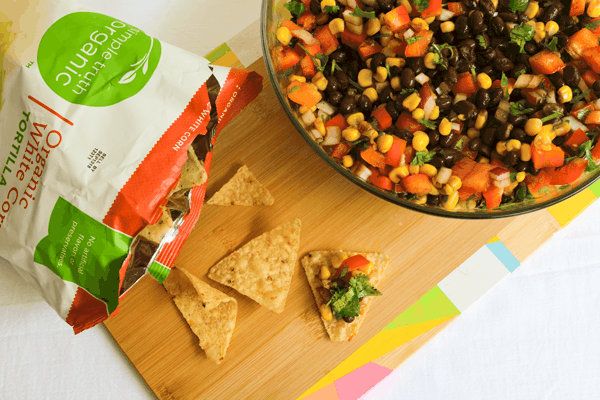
column 106, row 138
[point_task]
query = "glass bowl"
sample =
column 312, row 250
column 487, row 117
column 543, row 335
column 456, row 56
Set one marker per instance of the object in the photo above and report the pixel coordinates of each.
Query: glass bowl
column 272, row 13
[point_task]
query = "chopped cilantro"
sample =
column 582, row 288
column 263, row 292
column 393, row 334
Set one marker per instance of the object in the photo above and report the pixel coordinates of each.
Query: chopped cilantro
column 518, row 108
column 331, row 9
column 293, row 89
column 592, row 25
column 345, row 302
column 344, row 272
column 579, row 96
column 474, row 74
column 360, row 13
column 552, row 116
column 387, row 66
column 544, row 190
column 295, row 7
column 359, row 141
column 438, row 58
column 460, row 144
column 519, row 73
column 421, row 4
column 332, row 66
column 513, row 176
column 563, row 187
column 427, row 123
column 585, row 152
column 518, row 5
column 323, row 58
column 422, row 157
column 408, row 90
column 481, row 41
column 552, row 45
column 413, row 39
column 521, row 34
column 363, row 286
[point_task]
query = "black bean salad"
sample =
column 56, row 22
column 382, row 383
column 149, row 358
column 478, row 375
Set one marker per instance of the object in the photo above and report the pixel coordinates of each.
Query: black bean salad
column 463, row 105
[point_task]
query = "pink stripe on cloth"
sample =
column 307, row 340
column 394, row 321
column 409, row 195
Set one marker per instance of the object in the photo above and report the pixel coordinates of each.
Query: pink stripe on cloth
column 326, row 393
column 359, row 381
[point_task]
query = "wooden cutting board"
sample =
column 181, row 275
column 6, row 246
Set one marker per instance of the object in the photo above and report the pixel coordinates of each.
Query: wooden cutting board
column 279, row 356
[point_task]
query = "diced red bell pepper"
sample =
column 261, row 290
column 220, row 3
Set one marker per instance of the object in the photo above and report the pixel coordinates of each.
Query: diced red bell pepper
column 417, row 184
column 592, row 118
column 596, row 152
column 394, row 154
column 579, row 42
column 373, row 157
column 285, row 57
column 538, row 185
column 307, row 20
column 408, row 155
column 385, row 170
column 589, row 77
column 466, row 194
column 397, row 19
column 328, row 41
column 397, row 46
column 497, row 163
column 384, row 120
column 407, row 122
column 577, row 7
column 507, row 89
column 426, row 92
column 290, row 25
column 575, row 112
column 576, row 139
column 434, row 9
column 399, row 188
column 597, row 30
column 381, row 181
column 569, row 173
column 546, row 62
column 419, row 48
column 465, row 84
column 312, row 49
column 592, row 58
column 493, row 197
column 341, row 149
column 303, row 93
column 457, row 8
column 306, row 4
column 367, row 48
column 474, row 175
column 339, row 121
column 352, row 263
column 352, row 39
column 555, row 157
column 308, row 67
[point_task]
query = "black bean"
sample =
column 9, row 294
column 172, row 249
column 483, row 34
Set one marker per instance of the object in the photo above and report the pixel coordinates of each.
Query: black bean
column 485, row 150
column 503, row 64
column 487, row 7
column 483, row 41
column 561, row 41
column 557, row 79
column 523, row 58
column 348, row 104
column 348, row 319
column 434, row 138
column 522, row 166
column 531, row 170
column 596, row 87
column 464, row 65
column 339, row 282
column 335, row 97
column 518, row 133
column 339, row 56
column 511, row 159
column 353, row 68
column 391, row 108
column 351, row 91
column 488, row 69
column 565, row 57
column 530, row 48
column 449, row 140
column 552, row 108
column 509, row 17
column 522, row 17
column 518, row 70
column 470, row 4
column 489, row 136
column 560, row 140
column 496, row 95
column 448, row 37
column 451, row 77
column 364, row 104
column 417, row 64
column 435, row 26
column 551, row 12
column 405, row 135
column 433, row 200
column 476, row 21
column 497, row 26
column 565, row 22
column 408, row 78
column 315, row 7
column 384, row 95
column 437, row 162
column 377, row 60
column 517, row 120
column 503, row 132
column 343, row 80
column 444, row 103
column 333, row 84
column 386, row 5
column 482, row 98
column 490, row 54
column 569, row 151
column 431, row 73
column 465, row 108
column 461, row 27
column 475, row 144
column 571, row 75
column 450, row 155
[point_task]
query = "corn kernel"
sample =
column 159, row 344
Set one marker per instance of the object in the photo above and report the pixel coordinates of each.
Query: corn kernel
column 420, row 141
column 501, row 148
column 420, row 200
column 384, row 143
column 484, row 80
column 435, row 113
column 337, row 26
column 395, row 83
column 525, row 152
column 371, row 93
column 532, row 9
column 413, row 169
column 428, row 61
column 521, row 176
column 481, row 119
column 447, row 190
column 395, row 62
column 372, row 27
column 429, row 170
column 593, row 10
column 355, row 119
column 483, row 160
column 533, row 126
column 297, row 78
column 473, row 133
column 418, row 113
column 539, row 35
column 347, row 161
column 322, row 84
column 455, row 182
column 565, row 94
column 284, row 35
column 386, row 35
column 325, row 311
column 398, row 173
column 451, row 202
column 419, row 24
column 351, row 134
column 365, row 77
column 447, row 26
column 381, row 74
column 303, row 109
column 406, row 5
column 434, row 190
column 411, row 102
column 320, row 126
column 513, row 145
column 445, row 127
column 430, row 20
column 325, row 273
column 562, row 129
column 551, row 28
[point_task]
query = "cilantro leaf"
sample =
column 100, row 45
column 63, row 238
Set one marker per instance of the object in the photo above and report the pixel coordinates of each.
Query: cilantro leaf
column 331, row 9
column 363, row 287
column 438, row 57
column 295, row 7
column 387, row 66
column 345, row 303
column 427, row 123
column 460, row 144
column 344, row 272
column 552, row 45
column 504, row 81
column 293, row 89
column 421, row 4
column 333, row 67
column 360, row 13
column 580, row 96
column 408, row 90
column 513, row 176
column 320, row 60
column 481, row 41
column 422, row 157
column 552, row 116
column 521, row 34
column 518, row 108
column 518, row 5
column 592, row 25
column 413, row 39
column 585, row 152
column 581, row 114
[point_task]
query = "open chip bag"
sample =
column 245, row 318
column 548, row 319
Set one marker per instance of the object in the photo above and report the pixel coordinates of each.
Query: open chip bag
column 106, row 139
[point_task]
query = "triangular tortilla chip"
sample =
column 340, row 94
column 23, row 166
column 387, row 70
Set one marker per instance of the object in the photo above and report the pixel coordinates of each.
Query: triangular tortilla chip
column 192, row 172
column 155, row 233
column 210, row 313
column 242, row 190
column 262, row 269
column 338, row 329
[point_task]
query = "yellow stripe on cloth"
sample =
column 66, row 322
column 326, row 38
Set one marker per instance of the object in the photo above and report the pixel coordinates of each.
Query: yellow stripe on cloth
column 227, row 60
column 494, row 239
column 380, row 344
column 567, row 210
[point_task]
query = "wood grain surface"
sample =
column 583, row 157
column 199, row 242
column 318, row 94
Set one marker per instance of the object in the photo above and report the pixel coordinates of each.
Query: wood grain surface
column 279, row 356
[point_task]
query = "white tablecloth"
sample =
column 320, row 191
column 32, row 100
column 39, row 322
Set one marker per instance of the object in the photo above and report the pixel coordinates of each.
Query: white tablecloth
column 533, row 336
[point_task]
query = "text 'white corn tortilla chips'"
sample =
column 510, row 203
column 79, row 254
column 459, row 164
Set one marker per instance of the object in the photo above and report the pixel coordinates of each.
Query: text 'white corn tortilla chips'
column 210, row 313
column 338, row 329
column 262, row 269
column 242, row 190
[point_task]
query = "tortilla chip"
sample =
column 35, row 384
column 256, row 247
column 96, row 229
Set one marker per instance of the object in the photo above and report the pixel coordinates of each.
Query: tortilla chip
column 338, row 329
column 242, row 190
column 155, row 233
column 192, row 173
column 262, row 269
column 210, row 313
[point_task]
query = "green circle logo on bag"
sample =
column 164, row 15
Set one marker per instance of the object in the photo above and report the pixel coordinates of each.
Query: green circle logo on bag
column 95, row 60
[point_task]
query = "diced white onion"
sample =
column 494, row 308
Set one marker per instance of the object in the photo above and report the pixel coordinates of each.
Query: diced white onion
column 428, row 107
column 500, row 175
column 460, row 97
column 333, row 136
column 351, row 3
column 362, row 172
column 326, row 107
column 584, row 88
column 503, row 183
column 455, row 126
column 409, row 33
column 308, row 118
column 503, row 111
column 535, row 81
column 422, row 78
column 445, row 15
column 504, row 105
column 316, row 134
column 325, row 117
column 305, row 36
column 575, row 124
column 443, row 175
column 523, row 81
column 510, row 26
column 551, row 98
column 597, row 104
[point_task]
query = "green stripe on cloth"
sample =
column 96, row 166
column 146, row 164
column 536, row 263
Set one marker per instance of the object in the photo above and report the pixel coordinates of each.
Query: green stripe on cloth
column 159, row 271
column 218, row 53
column 595, row 188
column 433, row 305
